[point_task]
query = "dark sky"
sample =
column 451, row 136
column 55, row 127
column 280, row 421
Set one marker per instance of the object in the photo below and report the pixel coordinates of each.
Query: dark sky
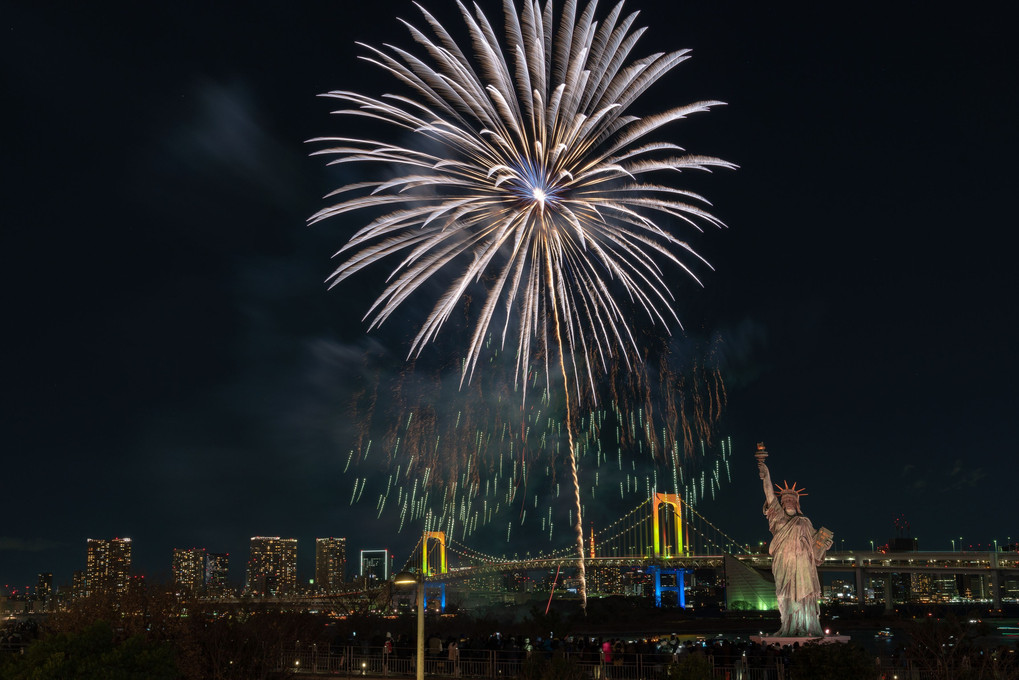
column 174, row 369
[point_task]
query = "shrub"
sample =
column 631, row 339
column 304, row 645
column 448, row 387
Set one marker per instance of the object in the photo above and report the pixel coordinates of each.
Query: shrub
column 692, row 666
column 540, row 667
column 92, row 654
column 831, row 661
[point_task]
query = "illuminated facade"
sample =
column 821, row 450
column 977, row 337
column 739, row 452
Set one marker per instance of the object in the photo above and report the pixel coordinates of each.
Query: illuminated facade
column 1010, row 589
column 945, row 587
column 330, row 564
column 216, row 567
column 272, row 566
column 108, row 566
column 922, row 587
column 375, row 565
column 78, row 584
column 605, row 579
column 188, row 570
column 839, row 590
column 484, row 582
column 44, row 587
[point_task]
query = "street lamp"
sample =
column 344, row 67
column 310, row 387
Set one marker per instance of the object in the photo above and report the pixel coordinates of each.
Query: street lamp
column 406, row 578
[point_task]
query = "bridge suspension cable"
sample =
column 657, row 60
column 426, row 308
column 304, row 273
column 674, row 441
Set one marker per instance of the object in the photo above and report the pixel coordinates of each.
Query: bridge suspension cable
column 413, row 555
column 731, row 541
column 470, row 553
column 631, row 535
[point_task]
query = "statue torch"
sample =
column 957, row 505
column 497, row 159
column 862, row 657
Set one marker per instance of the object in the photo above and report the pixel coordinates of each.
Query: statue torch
column 760, row 455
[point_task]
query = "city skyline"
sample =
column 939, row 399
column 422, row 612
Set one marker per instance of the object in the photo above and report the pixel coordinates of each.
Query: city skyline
column 209, row 574
column 107, row 562
column 172, row 338
column 902, row 574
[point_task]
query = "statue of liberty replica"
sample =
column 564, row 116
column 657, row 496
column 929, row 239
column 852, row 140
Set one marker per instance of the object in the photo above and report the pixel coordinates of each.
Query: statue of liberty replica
column 796, row 550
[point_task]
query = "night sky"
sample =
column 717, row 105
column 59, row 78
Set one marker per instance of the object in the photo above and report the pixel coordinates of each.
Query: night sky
column 175, row 370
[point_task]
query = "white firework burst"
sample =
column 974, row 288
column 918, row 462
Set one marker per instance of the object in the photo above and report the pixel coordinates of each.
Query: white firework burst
column 530, row 174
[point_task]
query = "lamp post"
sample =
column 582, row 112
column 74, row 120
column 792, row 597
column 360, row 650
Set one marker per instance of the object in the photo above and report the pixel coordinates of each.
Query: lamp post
column 406, row 578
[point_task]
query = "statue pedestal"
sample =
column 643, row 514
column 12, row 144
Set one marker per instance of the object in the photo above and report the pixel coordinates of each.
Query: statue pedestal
column 767, row 640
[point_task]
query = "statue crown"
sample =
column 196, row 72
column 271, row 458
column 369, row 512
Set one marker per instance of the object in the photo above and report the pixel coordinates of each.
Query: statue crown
column 790, row 490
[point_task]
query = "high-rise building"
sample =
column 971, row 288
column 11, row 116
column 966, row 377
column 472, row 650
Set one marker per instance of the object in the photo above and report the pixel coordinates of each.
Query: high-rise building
column 375, row 565
column 945, row 587
column 188, row 570
column 922, row 588
column 216, row 568
column 78, row 584
column 330, row 564
column 272, row 566
column 108, row 566
column 44, row 587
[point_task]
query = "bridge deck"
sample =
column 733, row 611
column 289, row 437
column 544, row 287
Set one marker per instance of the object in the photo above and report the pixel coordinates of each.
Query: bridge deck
column 878, row 562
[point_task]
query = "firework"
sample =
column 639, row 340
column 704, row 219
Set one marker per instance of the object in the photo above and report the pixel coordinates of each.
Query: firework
column 532, row 180
column 420, row 420
column 489, row 461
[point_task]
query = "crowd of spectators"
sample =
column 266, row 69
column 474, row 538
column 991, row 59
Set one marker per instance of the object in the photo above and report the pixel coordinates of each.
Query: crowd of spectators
column 649, row 654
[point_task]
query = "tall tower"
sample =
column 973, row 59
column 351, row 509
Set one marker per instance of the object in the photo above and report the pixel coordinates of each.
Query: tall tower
column 108, row 566
column 272, row 566
column 330, row 564
column 188, row 570
column 43, row 590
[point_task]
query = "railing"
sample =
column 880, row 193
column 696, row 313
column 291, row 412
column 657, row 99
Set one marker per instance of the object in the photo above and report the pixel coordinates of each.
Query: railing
column 499, row 665
column 350, row 662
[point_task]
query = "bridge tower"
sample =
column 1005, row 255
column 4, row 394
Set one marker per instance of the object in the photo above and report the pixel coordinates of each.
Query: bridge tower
column 679, row 588
column 661, row 534
column 439, row 536
column 434, row 537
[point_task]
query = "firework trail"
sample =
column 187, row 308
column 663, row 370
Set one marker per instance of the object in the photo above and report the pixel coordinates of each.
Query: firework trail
column 543, row 185
column 483, row 461
column 487, row 461
column 656, row 412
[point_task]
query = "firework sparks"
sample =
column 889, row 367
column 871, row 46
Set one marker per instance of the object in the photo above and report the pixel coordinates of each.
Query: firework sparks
column 542, row 184
column 486, row 468
column 555, row 175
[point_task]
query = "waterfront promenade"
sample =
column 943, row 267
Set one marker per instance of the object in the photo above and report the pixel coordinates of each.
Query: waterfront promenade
column 727, row 660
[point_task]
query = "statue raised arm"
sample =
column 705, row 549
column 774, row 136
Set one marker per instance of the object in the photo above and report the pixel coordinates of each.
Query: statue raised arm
column 769, row 493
